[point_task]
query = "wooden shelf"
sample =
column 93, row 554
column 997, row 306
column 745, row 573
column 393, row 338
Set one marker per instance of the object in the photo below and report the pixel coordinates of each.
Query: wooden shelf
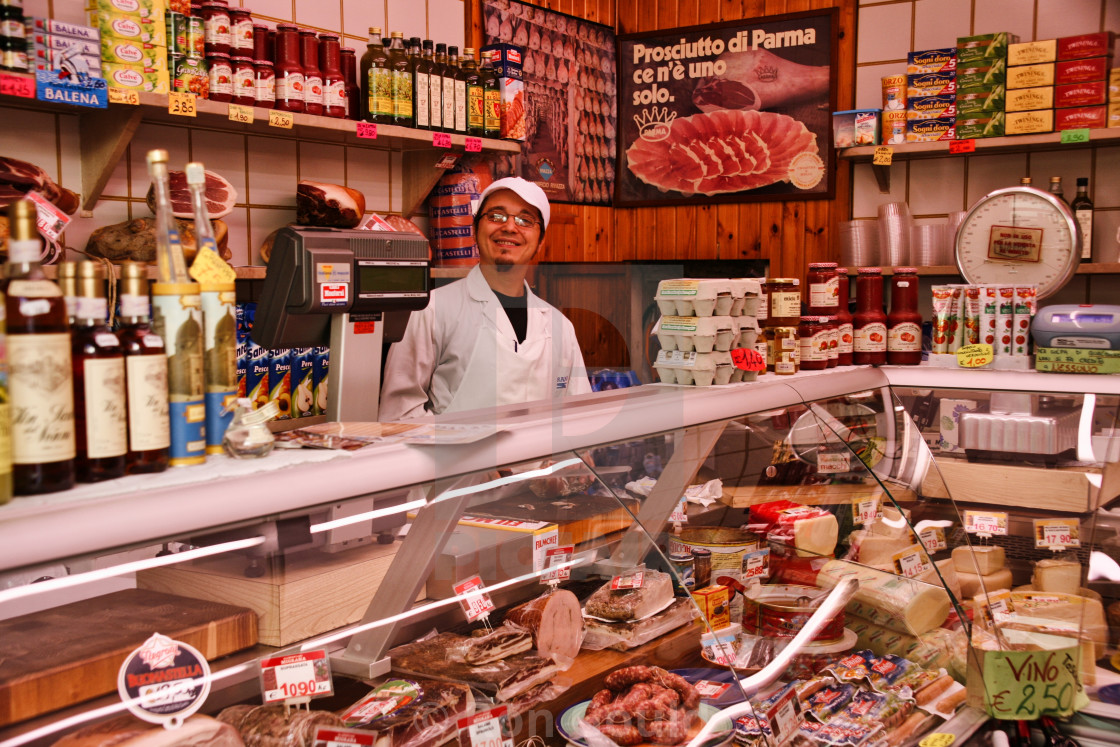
column 1085, row 268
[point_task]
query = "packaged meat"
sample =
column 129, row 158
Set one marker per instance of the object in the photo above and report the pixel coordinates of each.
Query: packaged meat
column 702, row 334
column 625, row 605
column 892, row 601
column 534, row 671
column 277, row 726
column 555, row 622
column 128, row 731
column 407, row 712
column 622, row 636
column 498, row 644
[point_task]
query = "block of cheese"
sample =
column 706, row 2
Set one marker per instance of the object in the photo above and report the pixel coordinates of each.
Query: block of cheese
column 879, row 549
column 972, row 584
column 1064, row 612
column 895, row 602
column 813, row 531
column 890, row 524
column 816, row 536
column 1055, row 574
column 937, row 648
column 948, row 571
column 983, row 560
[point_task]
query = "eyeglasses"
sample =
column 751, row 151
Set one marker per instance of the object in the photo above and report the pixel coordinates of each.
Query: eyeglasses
column 496, row 216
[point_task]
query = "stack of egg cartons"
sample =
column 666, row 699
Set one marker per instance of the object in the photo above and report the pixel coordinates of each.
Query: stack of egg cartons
column 702, row 322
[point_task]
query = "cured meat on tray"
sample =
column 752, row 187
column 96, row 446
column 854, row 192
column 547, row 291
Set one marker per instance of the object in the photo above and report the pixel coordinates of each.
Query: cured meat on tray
column 275, row 726
column 411, row 712
column 655, row 593
column 555, row 622
column 129, row 731
column 498, row 644
column 622, row 636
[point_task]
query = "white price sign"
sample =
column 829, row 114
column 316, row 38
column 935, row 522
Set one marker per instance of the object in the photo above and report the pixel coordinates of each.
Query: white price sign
column 864, row 510
column 474, row 601
column 721, row 652
column 1056, row 534
column 486, row 729
column 985, row 523
column 544, row 540
column 784, row 716
column 679, row 515
column 335, row 737
column 558, row 556
column 710, row 690
column 303, row 675
column 756, row 565
column 933, row 539
column 910, row 562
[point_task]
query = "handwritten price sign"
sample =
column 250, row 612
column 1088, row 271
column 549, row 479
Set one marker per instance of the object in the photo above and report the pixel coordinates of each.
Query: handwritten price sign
column 475, row 602
column 883, row 156
column 124, row 96
column 240, row 113
column 748, row 359
column 962, row 146
column 1056, row 534
column 474, row 145
column 441, row 139
column 17, row 85
column 305, row 675
column 1023, row 685
column 367, row 130
column 182, row 104
column 282, row 120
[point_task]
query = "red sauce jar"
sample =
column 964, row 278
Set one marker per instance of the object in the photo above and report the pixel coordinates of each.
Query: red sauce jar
column 265, row 84
column 244, row 81
column 349, row 63
column 844, row 335
column 334, row 85
column 240, row 32
column 869, row 322
column 216, row 17
column 289, row 73
column 260, row 42
column 824, row 288
column 904, row 323
column 312, row 77
column 833, row 340
column 221, row 76
column 816, row 338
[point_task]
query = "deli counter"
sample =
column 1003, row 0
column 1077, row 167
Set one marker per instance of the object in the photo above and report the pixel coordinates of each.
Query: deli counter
column 862, row 556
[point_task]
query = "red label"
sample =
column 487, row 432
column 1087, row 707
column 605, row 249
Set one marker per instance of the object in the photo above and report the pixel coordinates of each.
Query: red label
column 365, row 328
column 447, row 160
column 474, row 145
column 367, row 130
column 441, row 139
column 748, row 359
column 475, row 602
column 334, row 294
column 17, row 85
column 631, row 581
column 962, row 146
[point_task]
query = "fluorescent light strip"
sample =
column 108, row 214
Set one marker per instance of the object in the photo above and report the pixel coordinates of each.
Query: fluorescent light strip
column 326, row 526
column 119, row 570
column 1085, row 429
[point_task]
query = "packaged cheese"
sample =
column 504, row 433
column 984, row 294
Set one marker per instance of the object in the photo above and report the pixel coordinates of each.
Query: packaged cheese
column 1057, row 613
column 981, row 559
column 878, row 549
column 933, row 650
column 1055, row 574
column 895, row 602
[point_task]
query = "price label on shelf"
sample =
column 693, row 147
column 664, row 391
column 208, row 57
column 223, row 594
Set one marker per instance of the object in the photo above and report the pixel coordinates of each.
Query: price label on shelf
column 975, row 355
column 240, row 113
column 883, row 156
column 962, row 146
column 679, row 514
column 721, row 652
column 297, row 676
column 17, row 85
column 182, row 104
column 367, row 130
column 283, row 120
column 756, row 565
column 332, row 736
column 911, row 561
column 987, row 523
column 748, row 359
column 864, row 510
column 474, row 601
column 447, row 160
column 474, row 145
column 124, row 96
column 558, row 556
column 710, row 690
column 1056, row 534
column 544, row 539
column 629, row 581
column 486, row 729
column 933, row 539
column 784, row 716
column 441, row 139
column 996, row 605
column 1080, row 135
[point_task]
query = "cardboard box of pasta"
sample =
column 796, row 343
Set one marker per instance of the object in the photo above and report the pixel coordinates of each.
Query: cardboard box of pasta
column 983, row 49
column 1026, row 99
column 992, row 126
column 931, row 84
column 931, row 130
column 971, row 104
column 931, row 61
column 1025, row 123
column 931, row 107
column 1030, row 76
column 1032, row 52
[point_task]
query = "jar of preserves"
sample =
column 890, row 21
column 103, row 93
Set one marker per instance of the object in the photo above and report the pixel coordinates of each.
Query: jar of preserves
column 833, row 340
column 843, row 321
column 221, row 76
column 334, row 85
column 824, row 288
column 785, row 302
column 349, row 64
column 265, row 80
column 763, row 315
column 240, row 31
column 816, row 338
column 869, row 323
column 215, row 16
column 244, row 81
column 904, row 323
column 289, row 73
column 312, row 77
column 785, row 351
column 260, row 42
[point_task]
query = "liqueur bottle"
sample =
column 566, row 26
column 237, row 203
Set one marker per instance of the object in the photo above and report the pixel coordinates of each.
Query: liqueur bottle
column 401, row 81
column 100, row 423
column 145, row 368
column 491, row 97
column 476, row 95
column 460, row 90
column 1083, row 211
column 435, row 87
column 68, row 283
column 421, row 85
column 40, row 380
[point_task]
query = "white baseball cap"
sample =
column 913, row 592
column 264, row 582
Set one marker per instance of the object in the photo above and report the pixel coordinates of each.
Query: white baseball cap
column 524, row 189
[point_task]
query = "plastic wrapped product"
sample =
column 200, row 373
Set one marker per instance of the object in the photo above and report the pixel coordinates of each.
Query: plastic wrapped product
column 128, row 731
column 555, row 622
column 894, row 601
column 624, row 605
column 622, row 636
column 409, row 712
column 939, row 648
column 813, row 531
column 981, row 559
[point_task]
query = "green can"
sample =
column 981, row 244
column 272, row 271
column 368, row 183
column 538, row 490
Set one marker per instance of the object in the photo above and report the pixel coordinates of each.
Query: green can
column 191, row 75
column 196, row 37
column 177, row 33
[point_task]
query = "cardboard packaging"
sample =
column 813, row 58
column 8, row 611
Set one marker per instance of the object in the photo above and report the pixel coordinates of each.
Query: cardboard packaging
column 992, row 126
column 950, row 419
column 982, row 78
column 1081, row 117
column 1030, row 76
column 855, row 127
column 1080, row 71
column 125, row 52
column 1025, row 123
column 715, row 603
column 1091, row 93
column 136, row 77
column 983, row 49
column 1026, row 99
column 1114, row 114
column 931, row 107
column 931, row 84
column 1032, row 52
column 981, row 103
column 58, row 28
column 130, row 28
column 507, row 61
column 931, row 130
column 1086, row 45
column 55, row 59
column 931, row 61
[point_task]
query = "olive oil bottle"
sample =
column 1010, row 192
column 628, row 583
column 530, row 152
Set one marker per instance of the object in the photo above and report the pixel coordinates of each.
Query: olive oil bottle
column 402, row 81
column 145, row 368
column 476, row 95
column 376, row 81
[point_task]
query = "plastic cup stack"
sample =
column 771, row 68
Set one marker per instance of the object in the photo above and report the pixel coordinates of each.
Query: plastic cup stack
column 895, row 224
column 927, row 245
column 953, row 225
column 859, row 243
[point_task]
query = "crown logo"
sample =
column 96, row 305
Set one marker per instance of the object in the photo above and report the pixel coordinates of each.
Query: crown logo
column 766, row 73
column 653, row 124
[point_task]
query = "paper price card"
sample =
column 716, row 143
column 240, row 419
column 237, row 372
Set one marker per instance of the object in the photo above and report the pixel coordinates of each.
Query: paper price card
column 240, row 113
column 721, row 652
column 756, row 565
column 985, row 523
column 910, row 562
column 558, row 556
column 748, row 359
column 441, row 139
column 784, row 716
column 474, row 145
column 629, row 581
column 367, row 130
column 864, row 510
column 543, row 540
column 995, row 605
column 283, row 120
column 182, row 104
column 710, row 690
column 124, row 96
column 1075, row 136
column 50, row 221
column 447, row 160
column 474, row 601
column 209, row 267
column 17, row 85
column 679, row 514
column 883, row 156
column 962, row 146
column 486, row 729
column 1024, row 685
column 305, row 675
column 1056, row 534
column 975, row 355
column 338, row 737
column 933, row 539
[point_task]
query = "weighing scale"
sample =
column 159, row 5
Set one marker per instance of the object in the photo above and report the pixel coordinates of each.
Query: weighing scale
column 1093, row 326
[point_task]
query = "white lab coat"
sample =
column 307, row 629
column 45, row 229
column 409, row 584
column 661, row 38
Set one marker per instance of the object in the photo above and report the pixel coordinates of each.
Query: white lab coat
column 461, row 353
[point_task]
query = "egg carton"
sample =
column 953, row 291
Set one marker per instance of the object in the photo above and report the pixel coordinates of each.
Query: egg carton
column 748, row 332
column 700, row 333
column 748, row 295
column 708, row 297
column 699, row 369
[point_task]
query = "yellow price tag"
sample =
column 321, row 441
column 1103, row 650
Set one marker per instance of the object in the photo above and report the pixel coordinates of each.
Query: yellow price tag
column 280, row 119
column 883, row 155
column 182, row 104
column 240, row 113
column 124, row 96
column 209, row 268
column 938, row 740
column 975, row 355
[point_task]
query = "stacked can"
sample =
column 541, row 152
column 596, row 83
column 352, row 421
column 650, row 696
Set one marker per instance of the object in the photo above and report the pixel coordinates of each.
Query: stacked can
column 186, row 50
column 894, row 109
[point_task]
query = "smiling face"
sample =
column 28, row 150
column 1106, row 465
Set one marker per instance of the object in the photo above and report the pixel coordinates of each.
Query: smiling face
column 505, row 245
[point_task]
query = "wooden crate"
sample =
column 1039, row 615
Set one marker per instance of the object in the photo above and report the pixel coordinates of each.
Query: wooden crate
column 1064, row 489
column 310, row 593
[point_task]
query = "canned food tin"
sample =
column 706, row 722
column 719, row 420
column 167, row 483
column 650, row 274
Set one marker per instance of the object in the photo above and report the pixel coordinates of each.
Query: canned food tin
column 177, row 33
column 196, row 37
column 702, row 567
column 191, row 75
column 684, row 572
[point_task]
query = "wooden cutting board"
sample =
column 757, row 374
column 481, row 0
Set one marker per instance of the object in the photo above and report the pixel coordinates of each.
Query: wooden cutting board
column 57, row 657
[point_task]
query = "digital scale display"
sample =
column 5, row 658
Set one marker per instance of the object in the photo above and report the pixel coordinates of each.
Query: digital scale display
column 1082, row 318
column 379, row 278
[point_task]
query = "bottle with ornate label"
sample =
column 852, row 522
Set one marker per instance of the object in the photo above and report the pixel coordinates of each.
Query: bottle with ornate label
column 100, row 423
column 40, row 381
column 476, row 95
column 145, row 369
column 447, row 95
column 492, row 96
column 460, row 90
column 376, row 81
column 844, row 332
column 1082, row 208
column 422, row 65
column 68, row 283
column 5, row 415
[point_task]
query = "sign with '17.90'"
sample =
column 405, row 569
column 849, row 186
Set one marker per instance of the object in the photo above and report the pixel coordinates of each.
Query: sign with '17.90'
column 297, row 676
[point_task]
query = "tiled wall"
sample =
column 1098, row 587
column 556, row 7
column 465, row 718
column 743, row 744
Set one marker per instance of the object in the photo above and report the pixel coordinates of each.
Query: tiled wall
column 936, row 187
column 263, row 169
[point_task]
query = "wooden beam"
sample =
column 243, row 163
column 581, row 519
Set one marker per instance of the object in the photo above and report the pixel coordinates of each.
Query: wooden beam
column 103, row 136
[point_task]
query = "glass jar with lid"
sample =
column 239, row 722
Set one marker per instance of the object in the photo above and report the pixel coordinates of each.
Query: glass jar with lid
column 265, row 88
column 289, row 72
column 843, row 320
column 904, row 323
column 816, row 338
column 869, row 323
column 785, row 302
column 824, row 288
column 244, row 81
column 221, row 76
column 784, row 350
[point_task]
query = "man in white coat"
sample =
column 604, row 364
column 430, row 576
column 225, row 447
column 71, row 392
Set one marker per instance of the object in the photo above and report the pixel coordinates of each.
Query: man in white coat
column 487, row 340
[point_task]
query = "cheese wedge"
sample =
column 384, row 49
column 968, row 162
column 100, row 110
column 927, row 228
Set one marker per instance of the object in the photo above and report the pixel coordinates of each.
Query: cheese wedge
column 971, row 584
column 1053, row 574
column 879, row 549
column 983, row 560
column 816, row 536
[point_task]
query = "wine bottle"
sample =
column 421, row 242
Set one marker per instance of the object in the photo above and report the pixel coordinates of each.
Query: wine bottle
column 145, row 367
column 5, row 414
column 1083, row 211
column 68, row 282
column 476, row 95
column 40, row 381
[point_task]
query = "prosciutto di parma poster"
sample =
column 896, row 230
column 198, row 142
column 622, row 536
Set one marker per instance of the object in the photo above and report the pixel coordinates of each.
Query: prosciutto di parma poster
column 731, row 112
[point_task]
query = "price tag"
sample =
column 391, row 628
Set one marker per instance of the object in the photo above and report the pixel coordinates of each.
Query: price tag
column 441, row 139
column 784, row 716
column 304, row 675
column 864, row 510
column 996, row 604
column 962, row 146
column 474, row 145
column 367, row 130
column 486, row 729
column 1057, row 534
column 474, row 601
column 1075, row 136
column 280, row 119
column 558, row 556
column 940, row 739
column 974, row 355
column 710, row 690
column 748, row 359
column 447, row 160
column 543, row 540
column 1024, row 685
column 834, row 462
column 629, row 581
column 240, row 113
column 333, row 736
column 756, row 565
column 883, row 156
column 910, row 562
column 182, row 104
column 721, row 652
column 17, row 85
column 933, row 539
column 679, row 515
column 210, row 268
column 985, row 523
column 124, row 96
column 50, row 221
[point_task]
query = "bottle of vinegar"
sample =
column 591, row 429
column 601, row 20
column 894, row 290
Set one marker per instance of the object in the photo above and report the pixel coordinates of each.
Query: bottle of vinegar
column 145, row 368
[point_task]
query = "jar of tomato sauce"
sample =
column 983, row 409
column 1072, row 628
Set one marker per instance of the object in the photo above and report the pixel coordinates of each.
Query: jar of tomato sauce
column 215, row 16
column 260, row 42
column 824, row 288
column 904, row 323
column 244, row 81
column 349, row 64
column 240, row 31
column 289, row 72
column 815, row 341
column 265, row 80
column 869, row 323
column 334, row 85
column 833, row 340
column 843, row 320
column 312, row 77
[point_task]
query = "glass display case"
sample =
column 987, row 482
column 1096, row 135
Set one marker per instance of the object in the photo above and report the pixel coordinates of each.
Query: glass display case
column 772, row 563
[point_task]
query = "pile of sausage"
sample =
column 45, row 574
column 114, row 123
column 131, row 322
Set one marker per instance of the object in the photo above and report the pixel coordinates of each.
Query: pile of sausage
column 644, row 704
